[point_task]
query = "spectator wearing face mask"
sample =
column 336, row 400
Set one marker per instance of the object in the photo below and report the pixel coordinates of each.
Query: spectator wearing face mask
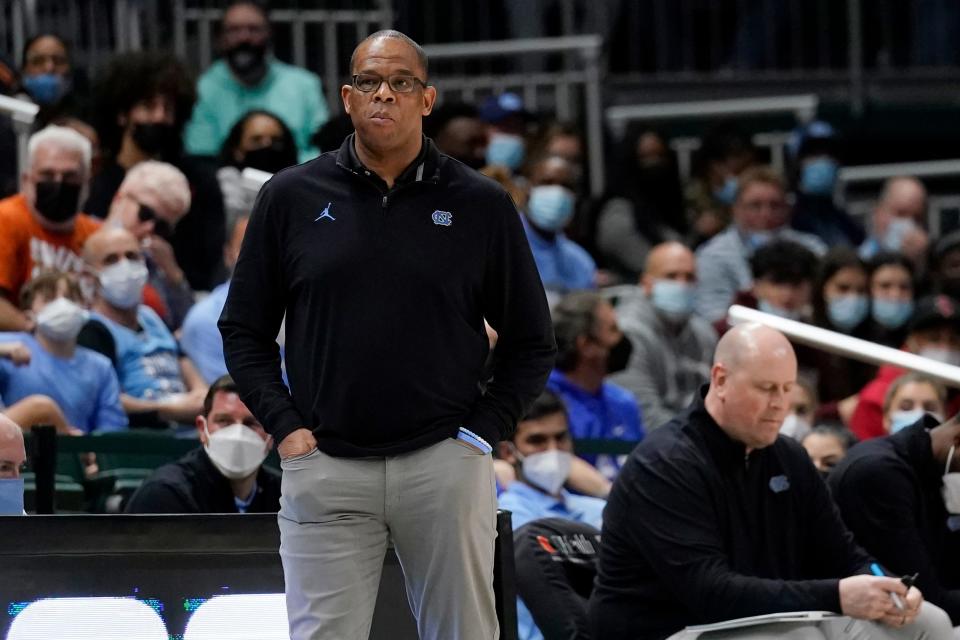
column 590, row 347
column 645, row 211
column 541, row 452
column 563, row 264
column 506, row 121
column 803, row 408
column 840, row 303
column 48, row 79
column 152, row 199
column 892, row 291
column 672, row 347
column 783, row 274
column 827, row 445
column 909, row 398
column 710, row 193
column 144, row 100
column 259, row 140
column 760, row 215
column 157, row 383
column 224, row 475
column 900, row 497
column 13, row 455
column 933, row 332
column 41, row 227
column 817, row 149
column 81, row 381
column 248, row 77
column 899, row 221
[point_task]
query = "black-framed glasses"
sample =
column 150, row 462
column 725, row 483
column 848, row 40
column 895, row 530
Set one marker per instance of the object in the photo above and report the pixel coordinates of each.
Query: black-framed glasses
column 399, row 83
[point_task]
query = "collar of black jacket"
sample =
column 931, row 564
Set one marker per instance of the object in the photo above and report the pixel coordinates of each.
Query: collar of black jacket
column 913, row 445
column 725, row 449
column 424, row 168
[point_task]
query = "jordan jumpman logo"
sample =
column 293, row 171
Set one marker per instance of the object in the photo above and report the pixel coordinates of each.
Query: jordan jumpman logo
column 325, row 213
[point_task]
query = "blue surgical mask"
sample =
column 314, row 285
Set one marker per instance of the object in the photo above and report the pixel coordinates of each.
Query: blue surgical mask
column 11, row 497
column 550, row 207
column 892, row 314
column 848, row 311
column 766, row 307
column 506, row 150
column 673, row 299
column 900, row 420
column 727, row 192
column 45, row 88
column 818, row 177
column 896, row 231
column 756, row 239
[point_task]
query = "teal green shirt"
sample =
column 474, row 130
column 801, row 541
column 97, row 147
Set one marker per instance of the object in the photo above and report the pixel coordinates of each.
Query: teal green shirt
column 291, row 93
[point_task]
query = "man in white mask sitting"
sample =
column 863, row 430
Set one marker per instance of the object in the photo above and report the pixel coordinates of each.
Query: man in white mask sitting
column 225, row 474
column 157, row 383
column 541, row 450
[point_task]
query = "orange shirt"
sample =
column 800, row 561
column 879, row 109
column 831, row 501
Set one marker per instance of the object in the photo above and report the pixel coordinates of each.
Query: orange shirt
column 26, row 248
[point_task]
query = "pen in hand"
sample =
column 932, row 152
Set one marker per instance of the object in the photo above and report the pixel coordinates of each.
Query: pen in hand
column 877, row 571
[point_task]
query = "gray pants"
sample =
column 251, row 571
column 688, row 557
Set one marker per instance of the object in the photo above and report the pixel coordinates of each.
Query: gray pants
column 438, row 507
column 932, row 624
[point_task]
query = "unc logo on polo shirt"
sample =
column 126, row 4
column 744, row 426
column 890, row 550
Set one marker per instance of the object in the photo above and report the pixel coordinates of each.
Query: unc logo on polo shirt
column 442, row 218
column 779, row 484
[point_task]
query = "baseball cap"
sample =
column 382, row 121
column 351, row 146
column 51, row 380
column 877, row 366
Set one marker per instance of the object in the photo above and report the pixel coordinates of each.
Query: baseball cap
column 499, row 107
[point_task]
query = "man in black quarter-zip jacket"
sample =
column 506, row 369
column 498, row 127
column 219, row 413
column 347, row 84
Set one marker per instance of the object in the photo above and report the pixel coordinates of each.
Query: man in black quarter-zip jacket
column 386, row 257
column 714, row 517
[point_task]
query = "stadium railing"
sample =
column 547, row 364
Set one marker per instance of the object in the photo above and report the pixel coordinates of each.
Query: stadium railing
column 22, row 113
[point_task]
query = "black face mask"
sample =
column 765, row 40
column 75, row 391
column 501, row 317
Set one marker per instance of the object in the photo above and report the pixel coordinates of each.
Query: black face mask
column 156, row 139
column 248, row 61
column 57, row 201
column 270, row 159
column 619, row 355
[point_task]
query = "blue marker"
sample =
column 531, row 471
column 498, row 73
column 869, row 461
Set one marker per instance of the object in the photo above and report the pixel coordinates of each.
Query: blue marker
column 877, row 571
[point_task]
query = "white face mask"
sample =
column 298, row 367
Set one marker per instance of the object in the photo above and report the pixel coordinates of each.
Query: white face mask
column 122, row 283
column 236, row 451
column 941, row 354
column 795, row 427
column 61, row 320
column 903, row 419
column 951, row 487
column 547, row 470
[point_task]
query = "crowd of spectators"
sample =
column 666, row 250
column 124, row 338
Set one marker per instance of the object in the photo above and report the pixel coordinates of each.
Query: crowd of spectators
column 117, row 247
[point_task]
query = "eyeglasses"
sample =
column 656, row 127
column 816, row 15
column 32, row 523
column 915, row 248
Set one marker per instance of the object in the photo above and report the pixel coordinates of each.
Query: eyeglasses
column 160, row 226
column 368, row 82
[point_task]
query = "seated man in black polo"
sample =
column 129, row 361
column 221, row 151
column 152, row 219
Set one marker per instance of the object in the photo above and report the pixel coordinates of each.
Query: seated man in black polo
column 714, row 517
column 224, row 475
column 900, row 496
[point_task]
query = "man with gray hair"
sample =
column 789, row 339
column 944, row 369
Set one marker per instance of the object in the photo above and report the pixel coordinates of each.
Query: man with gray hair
column 899, row 220
column 714, row 517
column 153, row 197
column 12, row 457
column 41, row 226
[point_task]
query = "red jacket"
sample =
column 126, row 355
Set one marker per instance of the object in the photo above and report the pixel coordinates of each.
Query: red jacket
column 867, row 420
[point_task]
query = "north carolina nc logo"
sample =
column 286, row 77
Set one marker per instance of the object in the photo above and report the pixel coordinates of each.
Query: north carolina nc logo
column 442, row 218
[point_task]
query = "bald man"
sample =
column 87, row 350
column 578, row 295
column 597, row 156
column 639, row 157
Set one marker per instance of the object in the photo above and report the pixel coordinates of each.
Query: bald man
column 899, row 220
column 672, row 347
column 714, row 517
column 12, row 456
column 156, row 382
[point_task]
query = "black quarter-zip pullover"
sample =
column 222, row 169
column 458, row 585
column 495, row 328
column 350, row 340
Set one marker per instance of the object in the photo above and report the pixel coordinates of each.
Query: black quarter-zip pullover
column 697, row 531
column 385, row 293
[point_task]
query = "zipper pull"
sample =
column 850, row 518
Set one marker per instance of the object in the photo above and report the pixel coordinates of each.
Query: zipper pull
column 384, row 202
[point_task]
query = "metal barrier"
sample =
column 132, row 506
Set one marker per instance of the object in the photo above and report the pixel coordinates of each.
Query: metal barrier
column 803, row 107
column 561, row 84
column 847, row 346
column 330, row 61
column 22, row 113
